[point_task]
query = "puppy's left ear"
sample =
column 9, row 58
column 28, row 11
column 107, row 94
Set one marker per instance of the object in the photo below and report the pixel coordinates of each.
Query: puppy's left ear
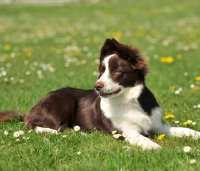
column 109, row 47
column 137, row 61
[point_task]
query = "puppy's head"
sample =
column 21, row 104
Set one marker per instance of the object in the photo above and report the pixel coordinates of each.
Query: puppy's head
column 120, row 66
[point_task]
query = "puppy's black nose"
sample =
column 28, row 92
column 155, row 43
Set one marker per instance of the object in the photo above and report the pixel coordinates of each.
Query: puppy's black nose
column 99, row 85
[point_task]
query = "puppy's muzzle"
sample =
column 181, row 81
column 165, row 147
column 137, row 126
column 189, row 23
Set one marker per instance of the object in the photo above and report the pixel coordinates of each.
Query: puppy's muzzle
column 99, row 85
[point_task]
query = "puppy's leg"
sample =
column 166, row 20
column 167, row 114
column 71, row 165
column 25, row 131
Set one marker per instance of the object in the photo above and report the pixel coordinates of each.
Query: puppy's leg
column 46, row 130
column 162, row 128
column 181, row 132
column 52, row 113
column 136, row 138
column 158, row 127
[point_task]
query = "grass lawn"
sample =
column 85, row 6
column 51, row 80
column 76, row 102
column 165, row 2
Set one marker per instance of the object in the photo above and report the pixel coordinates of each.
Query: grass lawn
column 43, row 48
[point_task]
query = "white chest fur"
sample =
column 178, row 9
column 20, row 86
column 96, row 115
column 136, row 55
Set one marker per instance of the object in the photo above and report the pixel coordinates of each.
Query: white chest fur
column 125, row 112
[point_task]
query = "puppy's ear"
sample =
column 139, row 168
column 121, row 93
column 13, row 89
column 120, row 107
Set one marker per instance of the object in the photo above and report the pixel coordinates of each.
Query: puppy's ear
column 132, row 55
column 126, row 52
column 109, row 47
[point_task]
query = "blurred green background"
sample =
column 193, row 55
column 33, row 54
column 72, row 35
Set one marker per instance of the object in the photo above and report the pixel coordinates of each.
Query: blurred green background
column 44, row 47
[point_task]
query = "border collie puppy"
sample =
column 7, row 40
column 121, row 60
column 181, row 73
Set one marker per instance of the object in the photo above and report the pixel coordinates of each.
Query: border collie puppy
column 121, row 102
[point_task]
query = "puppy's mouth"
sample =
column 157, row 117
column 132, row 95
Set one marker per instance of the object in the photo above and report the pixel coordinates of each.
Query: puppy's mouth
column 109, row 94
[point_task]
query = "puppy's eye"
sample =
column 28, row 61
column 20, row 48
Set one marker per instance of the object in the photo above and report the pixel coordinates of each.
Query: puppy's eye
column 116, row 71
column 102, row 69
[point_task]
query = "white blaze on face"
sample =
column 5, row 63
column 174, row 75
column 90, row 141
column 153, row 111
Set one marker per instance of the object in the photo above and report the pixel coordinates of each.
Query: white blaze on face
column 109, row 85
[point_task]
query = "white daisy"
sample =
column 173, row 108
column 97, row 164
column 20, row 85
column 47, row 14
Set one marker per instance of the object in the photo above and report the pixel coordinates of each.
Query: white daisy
column 78, row 153
column 124, row 135
column 117, row 136
column 194, row 123
column 187, row 149
column 5, row 132
column 16, row 134
column 77, row 128
column 114, row 132
column 192, row 161
column 21, row 132
column 176, row 122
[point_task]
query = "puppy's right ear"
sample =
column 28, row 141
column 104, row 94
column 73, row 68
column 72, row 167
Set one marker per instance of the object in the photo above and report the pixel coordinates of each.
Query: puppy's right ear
column 108, row 47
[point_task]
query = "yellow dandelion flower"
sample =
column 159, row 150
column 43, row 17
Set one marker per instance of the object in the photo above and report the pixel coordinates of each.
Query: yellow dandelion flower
column 127, row 23
column 18, row 54
column 29, row 53
column 195, row 88
column 169, row 116
column 117, row 35
column 53, row 49
column 179, row 56
column 95, row 39
column 172, row 87
column 160, row 137
column 192, row 36
column 188, row 122
column 6, row 47
column 138, row 34
column 163, row 59
column 170, row 59
column 197, row 78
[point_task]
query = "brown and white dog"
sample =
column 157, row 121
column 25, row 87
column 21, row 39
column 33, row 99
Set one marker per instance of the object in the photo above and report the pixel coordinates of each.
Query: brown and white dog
column 120, row 102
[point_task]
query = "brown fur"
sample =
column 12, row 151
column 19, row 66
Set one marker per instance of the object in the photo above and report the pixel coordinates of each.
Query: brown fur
column 67, row 107
column 127, row 53
column 4, row 116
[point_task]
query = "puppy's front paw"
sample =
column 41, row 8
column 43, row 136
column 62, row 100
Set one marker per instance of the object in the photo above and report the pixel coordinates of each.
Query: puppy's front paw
column 144, row 142
column 150, row 146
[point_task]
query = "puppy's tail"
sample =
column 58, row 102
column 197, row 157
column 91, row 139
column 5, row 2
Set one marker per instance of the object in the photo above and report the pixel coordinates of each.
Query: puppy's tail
column 5, row 116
